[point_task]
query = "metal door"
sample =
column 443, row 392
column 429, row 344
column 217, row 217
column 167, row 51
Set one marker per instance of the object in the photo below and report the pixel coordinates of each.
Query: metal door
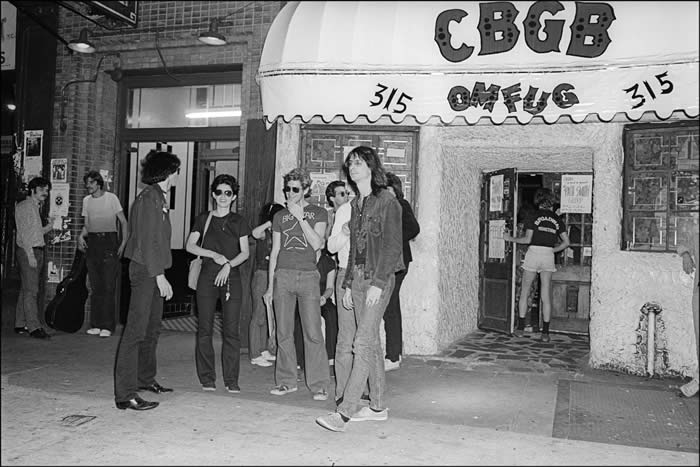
column 499, row 191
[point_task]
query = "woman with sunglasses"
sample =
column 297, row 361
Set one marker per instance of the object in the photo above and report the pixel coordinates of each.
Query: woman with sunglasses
column 224, row 247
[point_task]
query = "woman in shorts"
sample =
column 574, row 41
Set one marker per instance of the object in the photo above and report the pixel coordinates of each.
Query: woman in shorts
column 544, row 229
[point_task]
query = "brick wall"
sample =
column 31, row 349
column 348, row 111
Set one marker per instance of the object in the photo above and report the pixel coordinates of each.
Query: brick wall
column 89, row 140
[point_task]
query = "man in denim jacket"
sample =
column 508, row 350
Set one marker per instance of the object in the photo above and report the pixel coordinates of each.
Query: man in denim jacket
column 375, row 255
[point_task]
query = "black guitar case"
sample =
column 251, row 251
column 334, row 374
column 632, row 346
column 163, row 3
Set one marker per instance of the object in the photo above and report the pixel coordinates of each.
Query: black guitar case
column 66, row 312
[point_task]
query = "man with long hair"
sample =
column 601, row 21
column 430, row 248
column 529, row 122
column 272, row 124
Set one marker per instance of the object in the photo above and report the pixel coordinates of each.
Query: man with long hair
column 375, row 255
column 148, row 248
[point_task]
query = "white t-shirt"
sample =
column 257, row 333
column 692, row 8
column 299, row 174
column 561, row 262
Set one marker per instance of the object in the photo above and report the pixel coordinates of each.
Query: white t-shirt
column 100, row 213
column 338, row 242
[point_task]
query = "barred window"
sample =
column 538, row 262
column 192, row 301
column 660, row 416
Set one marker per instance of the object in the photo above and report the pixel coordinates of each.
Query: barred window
column 661, row 194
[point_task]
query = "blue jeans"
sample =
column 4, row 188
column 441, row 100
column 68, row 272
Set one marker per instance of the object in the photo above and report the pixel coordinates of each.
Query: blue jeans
column 136, row 357
column 368, row 361
column 302, row 286
column 27, row 311
column 207, row 295
column 346, row 334
column 258, row 337
column 103, row 266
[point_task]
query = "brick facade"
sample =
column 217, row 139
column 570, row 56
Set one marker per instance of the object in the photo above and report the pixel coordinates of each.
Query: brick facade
column 90, row 137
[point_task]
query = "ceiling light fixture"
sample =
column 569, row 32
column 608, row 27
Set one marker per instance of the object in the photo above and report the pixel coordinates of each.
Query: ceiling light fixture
column 82, row 44
column 214, row 113
column 213, row 36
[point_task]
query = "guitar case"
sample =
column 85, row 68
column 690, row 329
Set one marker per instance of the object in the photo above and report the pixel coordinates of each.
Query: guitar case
column 66, row 311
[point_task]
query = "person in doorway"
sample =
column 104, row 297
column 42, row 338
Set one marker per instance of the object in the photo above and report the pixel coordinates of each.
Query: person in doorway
column 542, row 231
column 224, row 247
column 375, row 256
column 30, row 256
column 298, row 232
column 261, row 332
column 100, row 240
column 392, row 316
column 148, row 248
column 689, row 250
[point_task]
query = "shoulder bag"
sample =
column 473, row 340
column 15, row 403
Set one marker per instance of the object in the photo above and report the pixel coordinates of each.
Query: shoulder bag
column 196, row 264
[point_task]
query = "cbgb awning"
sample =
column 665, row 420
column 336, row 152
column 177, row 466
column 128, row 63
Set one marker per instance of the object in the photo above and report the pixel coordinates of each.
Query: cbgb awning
column 470, row 60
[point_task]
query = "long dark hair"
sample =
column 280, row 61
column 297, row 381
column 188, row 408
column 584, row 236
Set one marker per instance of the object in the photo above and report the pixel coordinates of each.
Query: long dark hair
column 158, row 166
column 369, row 155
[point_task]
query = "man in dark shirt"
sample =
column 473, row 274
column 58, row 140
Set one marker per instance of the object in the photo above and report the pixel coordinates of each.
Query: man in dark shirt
column 148, row 247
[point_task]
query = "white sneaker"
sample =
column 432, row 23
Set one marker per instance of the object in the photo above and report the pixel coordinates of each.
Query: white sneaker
column 367, row 414
column 260, row 361
column 105, row 333
column 389, row 365
column 691, row 388
column 268, row 356
column 93, row 331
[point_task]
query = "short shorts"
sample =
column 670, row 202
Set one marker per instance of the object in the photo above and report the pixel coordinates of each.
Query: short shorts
column 539, row 258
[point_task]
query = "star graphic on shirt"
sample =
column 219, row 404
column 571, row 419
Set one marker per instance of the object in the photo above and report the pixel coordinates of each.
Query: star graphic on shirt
column 292, row 241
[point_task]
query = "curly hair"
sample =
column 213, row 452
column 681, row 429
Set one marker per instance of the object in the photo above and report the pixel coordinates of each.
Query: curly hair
column 299, row 175
column 370, row 156
column 544, row 198
column 226, row 179
column 158, row 166
column 95, row 176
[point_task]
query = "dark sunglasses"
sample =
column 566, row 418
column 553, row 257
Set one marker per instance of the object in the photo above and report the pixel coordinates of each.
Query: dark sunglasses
column 295, row 189
column 341, row 193
column 228, row 193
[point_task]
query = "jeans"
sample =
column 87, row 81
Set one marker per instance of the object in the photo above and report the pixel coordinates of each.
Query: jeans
column 258, row 336
column 291, row 286
column 346, row 334
column 207, row 295
column 136, row 356
column 27, row 311
column 367, row 361
column 330, row 316
column 103, row 266
column 392, row 320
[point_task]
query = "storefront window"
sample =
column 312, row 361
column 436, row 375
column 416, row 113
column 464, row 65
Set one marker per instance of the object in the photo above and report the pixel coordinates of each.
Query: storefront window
column 323, row 151
column 661, row 198
column 212, row 105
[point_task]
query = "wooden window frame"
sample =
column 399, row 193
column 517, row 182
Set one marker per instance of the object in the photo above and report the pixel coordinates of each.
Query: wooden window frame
column 666, row 172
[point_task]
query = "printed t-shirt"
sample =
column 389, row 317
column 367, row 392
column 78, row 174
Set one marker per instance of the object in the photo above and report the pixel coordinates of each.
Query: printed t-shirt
column 546, row 227
column 100, row 213
column 295, row 251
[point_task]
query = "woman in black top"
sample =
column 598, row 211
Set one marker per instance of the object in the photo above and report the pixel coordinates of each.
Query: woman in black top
column 542, row 231
column 223, row 248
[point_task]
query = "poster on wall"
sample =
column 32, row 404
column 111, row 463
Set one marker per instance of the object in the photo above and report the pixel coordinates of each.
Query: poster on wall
column 58, row 170
column 54, row 273
column 319, row 182
column 59, row 200
column 496, row 193
column 9, row 36
column 576, row 193
column 497, row 246
column 33, row 149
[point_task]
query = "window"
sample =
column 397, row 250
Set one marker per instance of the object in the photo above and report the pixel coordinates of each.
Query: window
column 661, row 193
column 323, row 151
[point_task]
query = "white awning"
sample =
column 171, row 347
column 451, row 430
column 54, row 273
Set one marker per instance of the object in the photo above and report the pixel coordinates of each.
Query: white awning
column 470, row 60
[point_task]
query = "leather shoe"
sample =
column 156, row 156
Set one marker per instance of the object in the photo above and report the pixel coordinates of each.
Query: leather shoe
column 155, row 387
column 137, row 404
column 39, row 334
column 22, row 330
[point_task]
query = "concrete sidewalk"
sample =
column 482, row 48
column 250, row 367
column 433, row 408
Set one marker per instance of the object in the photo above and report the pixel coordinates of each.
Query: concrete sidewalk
column 440, row 413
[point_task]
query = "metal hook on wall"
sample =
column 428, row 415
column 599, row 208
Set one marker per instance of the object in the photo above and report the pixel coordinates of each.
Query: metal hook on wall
column 116, row 74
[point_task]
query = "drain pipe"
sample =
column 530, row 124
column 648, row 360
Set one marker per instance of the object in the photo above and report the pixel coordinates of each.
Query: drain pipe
column 651, row 309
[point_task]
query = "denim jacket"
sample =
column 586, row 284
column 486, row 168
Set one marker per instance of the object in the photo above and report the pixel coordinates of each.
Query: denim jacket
column 379, row 222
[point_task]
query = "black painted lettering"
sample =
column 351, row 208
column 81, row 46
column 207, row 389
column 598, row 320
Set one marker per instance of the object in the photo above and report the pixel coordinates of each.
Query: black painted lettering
column 563, row 98
column 483, row 97
column 589, row 31
column 511, row 95
column 443, row 37
column 552, row 28
column 497, row 27
column 458, row 98
column 529, row 101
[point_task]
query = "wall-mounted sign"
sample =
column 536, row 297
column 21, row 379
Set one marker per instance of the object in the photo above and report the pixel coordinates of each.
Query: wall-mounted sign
column 126, row 11
column 9, row 35
column 576, row 193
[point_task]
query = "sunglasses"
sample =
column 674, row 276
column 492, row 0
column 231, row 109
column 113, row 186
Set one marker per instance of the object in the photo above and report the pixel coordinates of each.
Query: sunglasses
column 341, row 193
column 295, row 189
column 228, row 193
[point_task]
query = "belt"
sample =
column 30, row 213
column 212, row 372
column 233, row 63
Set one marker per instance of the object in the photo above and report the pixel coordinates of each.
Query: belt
column 101, row 234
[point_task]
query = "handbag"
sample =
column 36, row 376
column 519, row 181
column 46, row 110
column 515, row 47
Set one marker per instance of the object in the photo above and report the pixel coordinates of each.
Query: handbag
column 196, row 264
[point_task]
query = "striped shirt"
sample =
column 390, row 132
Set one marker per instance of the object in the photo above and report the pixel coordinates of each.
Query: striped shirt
column 30, row 233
